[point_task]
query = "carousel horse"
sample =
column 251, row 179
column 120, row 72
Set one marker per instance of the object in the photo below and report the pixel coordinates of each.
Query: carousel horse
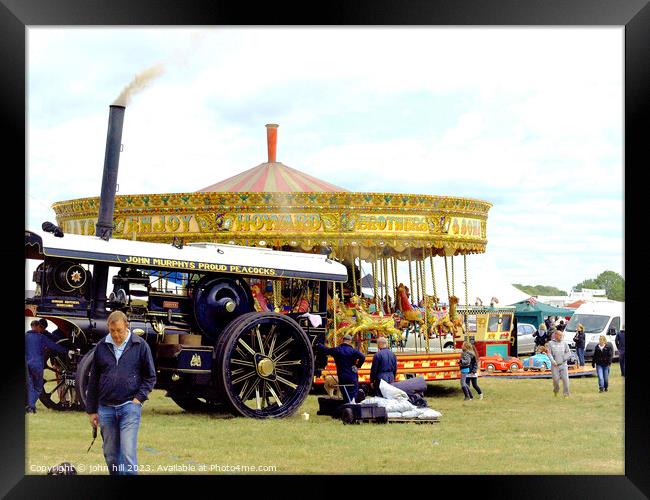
column 259, row 299
column 404, row 305
column 411, row 319
column 431, row 305
column 366, row 323
column 344, row 321
column 452, row 322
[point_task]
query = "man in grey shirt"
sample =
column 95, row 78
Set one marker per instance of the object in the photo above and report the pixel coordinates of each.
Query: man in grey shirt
column 559, row 353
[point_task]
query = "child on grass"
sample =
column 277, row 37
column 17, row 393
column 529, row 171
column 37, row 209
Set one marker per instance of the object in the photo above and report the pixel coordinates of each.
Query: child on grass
column 472, row 377
column 469, row 361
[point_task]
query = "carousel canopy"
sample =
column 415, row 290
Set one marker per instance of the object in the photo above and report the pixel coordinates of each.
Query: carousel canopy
column 276, row 206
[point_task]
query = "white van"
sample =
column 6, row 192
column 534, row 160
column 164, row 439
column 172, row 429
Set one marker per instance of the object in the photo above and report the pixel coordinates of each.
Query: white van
column 598, row 318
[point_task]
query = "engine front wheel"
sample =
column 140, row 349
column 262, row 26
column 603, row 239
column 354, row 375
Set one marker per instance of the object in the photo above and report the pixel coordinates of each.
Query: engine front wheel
column 59, row 385
column 264, row 365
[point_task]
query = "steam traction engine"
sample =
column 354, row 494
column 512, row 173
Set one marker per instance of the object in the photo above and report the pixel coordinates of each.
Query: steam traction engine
column 216, row 342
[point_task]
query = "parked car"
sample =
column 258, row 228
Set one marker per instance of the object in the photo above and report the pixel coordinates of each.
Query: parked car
column 525, row 339
column 499, row 363
column 539, row 361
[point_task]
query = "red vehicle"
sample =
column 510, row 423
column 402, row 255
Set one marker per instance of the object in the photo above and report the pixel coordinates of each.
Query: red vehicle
column 492, row 363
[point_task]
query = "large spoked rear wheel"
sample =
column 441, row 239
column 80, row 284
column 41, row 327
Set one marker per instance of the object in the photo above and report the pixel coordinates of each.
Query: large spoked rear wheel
column 264, row 365
column 59, row 388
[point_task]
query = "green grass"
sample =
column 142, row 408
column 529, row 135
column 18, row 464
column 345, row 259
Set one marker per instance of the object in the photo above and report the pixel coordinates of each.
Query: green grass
column 519, row 428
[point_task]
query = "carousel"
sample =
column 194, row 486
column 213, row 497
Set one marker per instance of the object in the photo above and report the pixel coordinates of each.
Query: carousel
column 275, row 206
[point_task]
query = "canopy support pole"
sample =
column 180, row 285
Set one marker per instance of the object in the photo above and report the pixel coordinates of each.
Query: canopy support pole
column 466, row 297
column 435, row 294
column 354, row 272
column 389, row 309
column 423, row 278
column 374, row 275
column 453, row 280
column 410, row 278
column 447, row 278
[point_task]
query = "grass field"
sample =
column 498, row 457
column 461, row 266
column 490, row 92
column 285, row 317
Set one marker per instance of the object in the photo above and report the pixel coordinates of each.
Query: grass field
column 519, row 428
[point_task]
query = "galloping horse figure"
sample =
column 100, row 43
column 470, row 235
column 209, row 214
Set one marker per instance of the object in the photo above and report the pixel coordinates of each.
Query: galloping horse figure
column 431, row 305
column 258, row 297
column 411, row 319
column 405, row 307
column 375, row 322
column 451, row 322
column 344, row 321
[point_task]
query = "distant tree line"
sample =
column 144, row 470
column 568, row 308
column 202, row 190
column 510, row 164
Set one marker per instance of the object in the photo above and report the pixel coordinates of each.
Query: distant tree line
column 613, row 283
column 539, row 289
column 610, row 281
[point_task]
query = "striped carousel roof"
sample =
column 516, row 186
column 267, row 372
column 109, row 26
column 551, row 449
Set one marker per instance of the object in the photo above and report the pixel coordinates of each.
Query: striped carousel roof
column 272, row 176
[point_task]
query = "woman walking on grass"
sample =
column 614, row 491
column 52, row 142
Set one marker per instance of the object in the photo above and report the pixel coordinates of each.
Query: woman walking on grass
column 602, row 360
column 579, row 341
column 467, row 356
column 472, row 376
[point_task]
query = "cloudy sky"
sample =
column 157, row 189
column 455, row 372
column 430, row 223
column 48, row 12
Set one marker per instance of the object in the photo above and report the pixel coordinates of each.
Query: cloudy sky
column 529, row 119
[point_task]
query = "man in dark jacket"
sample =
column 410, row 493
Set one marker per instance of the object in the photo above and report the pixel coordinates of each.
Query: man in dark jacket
column 541, row 336
column 384, row 365
column 348, row 361
column 548, row 322
column 579, row 341
column 54, row 336
column 122, row 374
column 36, row 347
column 620, row 345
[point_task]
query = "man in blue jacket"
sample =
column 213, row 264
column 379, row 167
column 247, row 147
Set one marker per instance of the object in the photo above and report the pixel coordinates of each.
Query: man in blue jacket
column 384, row 365
column 348, row 361
column 122, row 374
column 36, row 347
column 620, row 345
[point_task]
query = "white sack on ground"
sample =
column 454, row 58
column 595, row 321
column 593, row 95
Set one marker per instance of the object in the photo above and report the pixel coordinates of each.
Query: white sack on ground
column 429, row 413
column 391, row 392
column 397, row 404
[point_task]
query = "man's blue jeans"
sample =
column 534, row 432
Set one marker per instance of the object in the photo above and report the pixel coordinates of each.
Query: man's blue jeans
column 580, row 352
column 119, row 427
column 603, row 376
column 621, row 362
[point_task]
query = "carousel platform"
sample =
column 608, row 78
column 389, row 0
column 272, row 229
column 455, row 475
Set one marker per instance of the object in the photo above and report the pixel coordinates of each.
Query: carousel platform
column 573, row 372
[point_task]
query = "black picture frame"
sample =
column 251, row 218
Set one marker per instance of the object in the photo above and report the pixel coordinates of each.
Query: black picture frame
column 16, row 15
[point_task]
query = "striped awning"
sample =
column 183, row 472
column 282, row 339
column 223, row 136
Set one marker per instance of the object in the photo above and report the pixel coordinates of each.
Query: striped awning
column 273, row 177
